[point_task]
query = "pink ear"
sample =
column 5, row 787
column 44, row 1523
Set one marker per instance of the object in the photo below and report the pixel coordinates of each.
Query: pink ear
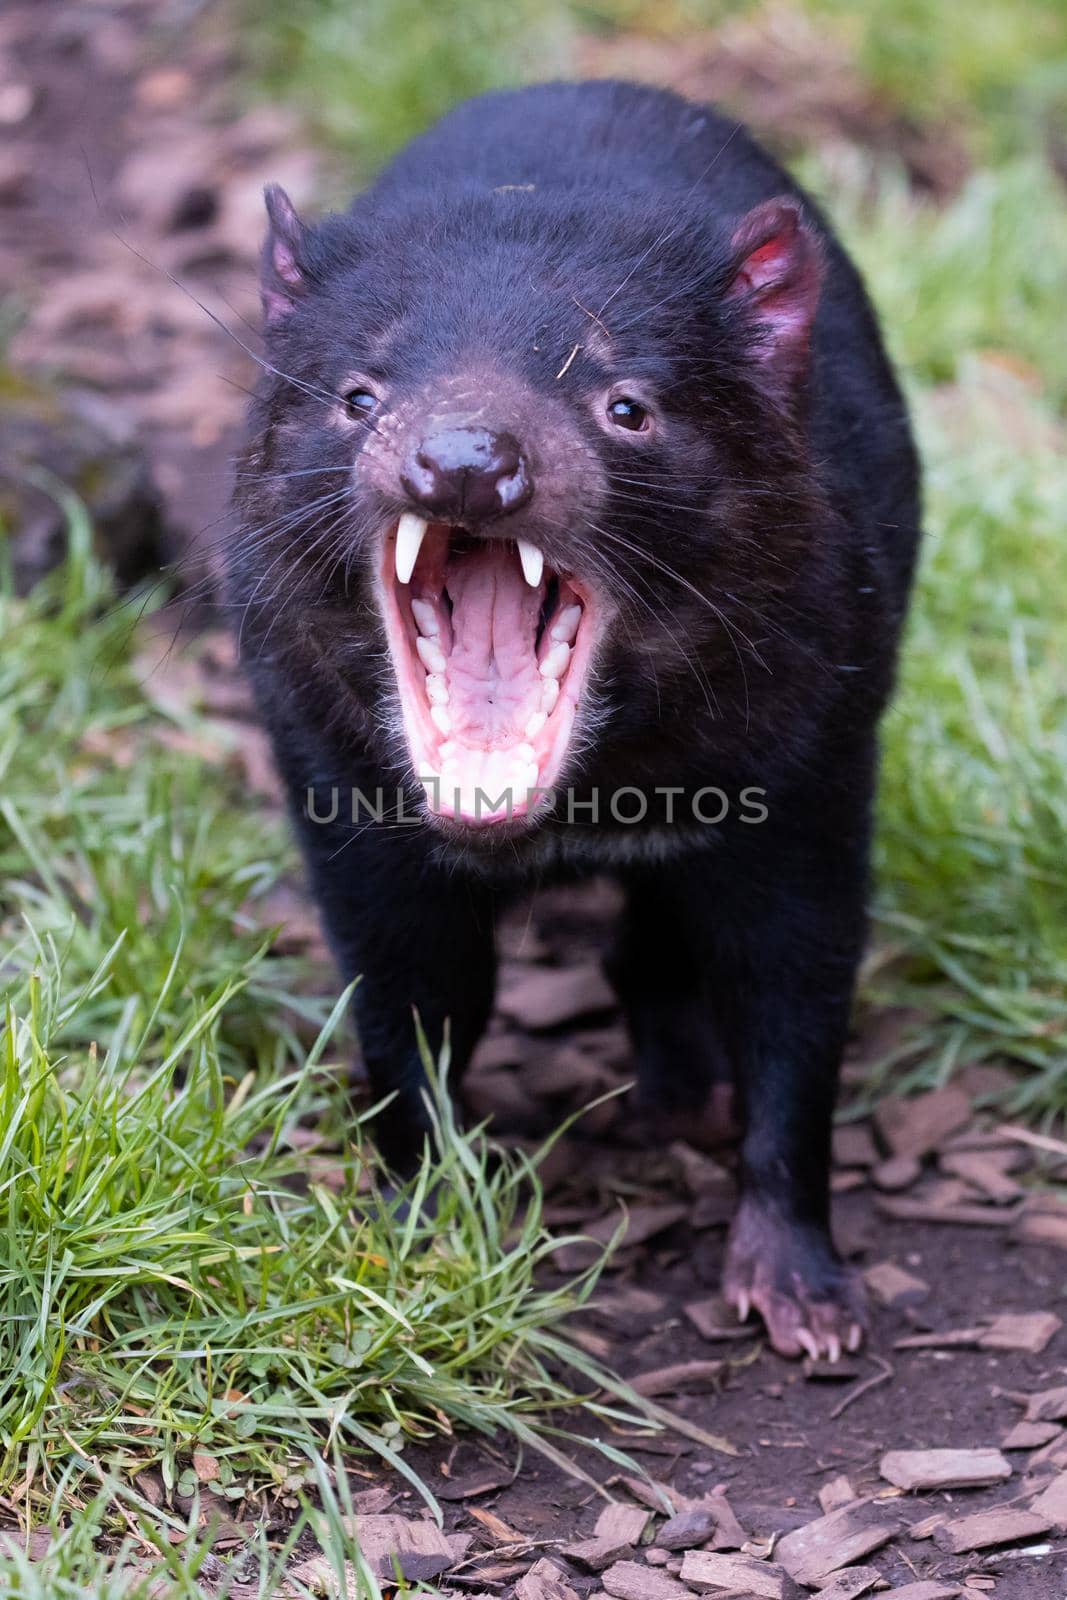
column 776, row 274
column 282, row 278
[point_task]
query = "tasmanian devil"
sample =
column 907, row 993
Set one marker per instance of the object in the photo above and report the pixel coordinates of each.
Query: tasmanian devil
column 575, row 536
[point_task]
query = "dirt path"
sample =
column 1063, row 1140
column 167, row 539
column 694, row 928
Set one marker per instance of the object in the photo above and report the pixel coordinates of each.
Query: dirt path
column 126, row 92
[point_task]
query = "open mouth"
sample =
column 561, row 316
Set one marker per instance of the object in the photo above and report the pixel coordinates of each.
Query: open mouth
column 491, row 650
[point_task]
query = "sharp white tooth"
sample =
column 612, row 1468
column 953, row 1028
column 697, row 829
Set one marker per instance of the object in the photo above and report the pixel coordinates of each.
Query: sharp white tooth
column 522, row 752
column 556, row 662
column 566, row 624
column 430, row 654
column 410, row 531
column 549, row 695
column 425, row 618
column 535, row 724
column 533, row 563
column 441, row 718
column 437, row 689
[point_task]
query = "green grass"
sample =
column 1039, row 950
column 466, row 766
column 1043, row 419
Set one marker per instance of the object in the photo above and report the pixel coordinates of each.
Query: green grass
column 972, row 871
column 193, row 1253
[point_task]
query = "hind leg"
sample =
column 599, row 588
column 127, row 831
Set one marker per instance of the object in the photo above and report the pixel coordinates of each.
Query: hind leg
column 685, row 1088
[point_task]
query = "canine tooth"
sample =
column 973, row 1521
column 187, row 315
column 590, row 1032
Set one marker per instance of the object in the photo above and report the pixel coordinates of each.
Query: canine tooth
column 549, row 695
column 437, row 689
column 533, row 563
column 556, row 662
column 566, row 624
column 535, row 724
column 430, row 654
column 441, row 717
column 409, row 536
column 425, row 618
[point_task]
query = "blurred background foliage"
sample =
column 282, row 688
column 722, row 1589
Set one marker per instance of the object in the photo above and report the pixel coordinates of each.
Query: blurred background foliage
column 372, row 74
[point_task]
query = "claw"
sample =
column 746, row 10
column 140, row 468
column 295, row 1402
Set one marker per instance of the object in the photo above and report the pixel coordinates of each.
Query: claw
column 808, row 1342
column 833, row 1348
column 855, row 1337
column 744, row 1305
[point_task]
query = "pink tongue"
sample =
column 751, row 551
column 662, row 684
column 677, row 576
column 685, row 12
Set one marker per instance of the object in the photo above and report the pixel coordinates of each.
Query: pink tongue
column 493, row 683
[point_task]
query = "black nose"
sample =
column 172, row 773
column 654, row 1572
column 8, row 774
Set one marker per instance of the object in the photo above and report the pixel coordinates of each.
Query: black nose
column 468, row 474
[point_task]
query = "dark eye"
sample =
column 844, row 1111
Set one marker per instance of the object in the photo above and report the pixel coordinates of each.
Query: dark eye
column 360, row 403
column 627, row 413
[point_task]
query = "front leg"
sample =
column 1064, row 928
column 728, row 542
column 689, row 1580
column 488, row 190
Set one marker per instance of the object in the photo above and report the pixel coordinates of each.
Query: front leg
column 781, row 929
column 419, row 938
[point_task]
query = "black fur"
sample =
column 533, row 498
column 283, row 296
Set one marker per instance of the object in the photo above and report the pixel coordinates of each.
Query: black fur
column 757, row 553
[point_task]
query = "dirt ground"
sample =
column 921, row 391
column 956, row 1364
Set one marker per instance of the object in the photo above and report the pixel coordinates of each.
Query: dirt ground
column 128, row 125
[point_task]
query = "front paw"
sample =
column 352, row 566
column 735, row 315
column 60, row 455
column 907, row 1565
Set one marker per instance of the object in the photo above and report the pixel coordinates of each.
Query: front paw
column 790, row 1273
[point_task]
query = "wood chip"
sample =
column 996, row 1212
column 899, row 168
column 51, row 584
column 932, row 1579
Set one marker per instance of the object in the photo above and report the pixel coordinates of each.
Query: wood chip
column 714, row 1320
column 917, row 1126
column 1052, row 1503
column 1021, row 1330
column 618, row 1529
column 418, row 1546
column 707, row 1570
column 687, row 1529
column 639, row 1223
column 854, row 1146
column 729, row 1534
column 851, row 1583
column 499, row 1531
column 925, row 1591
column 1030, row 1435
column 632, row 1580
column 618, row 1521
column 984, row 1529
column 898, row 1172
column 903, row 1208
column 545, row 997
column 928, row 1526
column 544, row 1581
column 892, row 1286
column 923, row 1470
column 596, row 1554
column 835, row 1494
column 947, row 1339
column 983, row 1173
column 483, row 1480
column 1048, row 1405
column 684, row 1377
column 1030, row 1331
column 813, row 1553
column 1038, row 1227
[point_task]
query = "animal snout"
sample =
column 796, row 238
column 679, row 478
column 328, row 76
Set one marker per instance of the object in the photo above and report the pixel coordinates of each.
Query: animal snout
column 468, row 475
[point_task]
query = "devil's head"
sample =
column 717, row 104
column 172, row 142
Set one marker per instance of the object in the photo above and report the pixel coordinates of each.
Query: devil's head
column 529, row 465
